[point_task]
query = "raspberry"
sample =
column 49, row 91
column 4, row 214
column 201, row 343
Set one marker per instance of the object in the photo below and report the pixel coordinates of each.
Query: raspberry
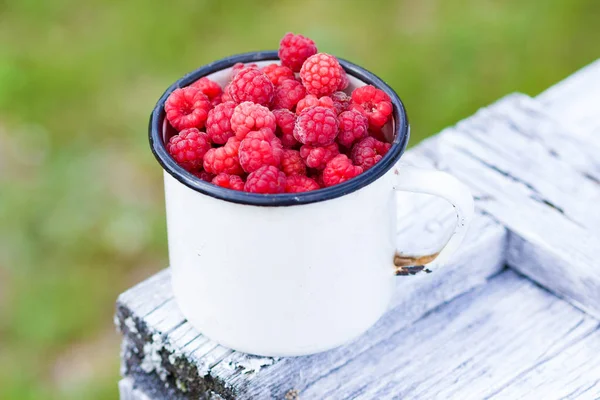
column 345, row 81
column 321, row 74
column 248, row 116
column 339, row 170
column 374, row 103
column 292, row 163
column 288, row 94
column 312, row 101
column 224, row 159
column 259, row 149
column 205, row 176
column 277, row 74
column 226, row 96
column 229, row 181
column 341, row 101
column 378, row 134
column 317, row 126
column 237, row 67
column 286, row 120
column 253, row 85
column 318, row 157
column 188, row 148
column 218, row 124
column 353, row 126
column 266, row 179
column 187, row 108
column 294, row 50
column 210, row 88
column 368, row 152
column 300, row 183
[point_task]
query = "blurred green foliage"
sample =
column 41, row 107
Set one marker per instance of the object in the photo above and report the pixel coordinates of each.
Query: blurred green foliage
column 81, row 203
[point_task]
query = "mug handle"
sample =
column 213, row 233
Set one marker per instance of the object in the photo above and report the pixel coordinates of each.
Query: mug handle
column 441, row 184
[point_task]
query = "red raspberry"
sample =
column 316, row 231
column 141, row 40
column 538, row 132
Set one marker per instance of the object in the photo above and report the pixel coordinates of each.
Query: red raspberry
column 205, row 176
column 288, row 94
column 339, row 170
column 374, row 103
column 341, row 101
column 286, row 120
column 224, row 159
column 345, row 81
column 248, row 116
column 353, row 126
column 312, row 101
column 321, row 74
column 317, row 126
column 229, row 181
column 218, row 124
column 300, row 183
column 278, row 73
column 188, row 148
column 210, row 88
column 378, row 134
column 266, row 179
column 292, row 163
column 251, row 84
column 187, row 108
column 295, row 49
column 368, row 152
column 259, row 149
column 226, row 96
column 318, row 157
column 237, row 67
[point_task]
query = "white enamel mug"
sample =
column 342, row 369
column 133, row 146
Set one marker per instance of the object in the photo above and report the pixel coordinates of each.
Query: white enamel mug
column 294, row 274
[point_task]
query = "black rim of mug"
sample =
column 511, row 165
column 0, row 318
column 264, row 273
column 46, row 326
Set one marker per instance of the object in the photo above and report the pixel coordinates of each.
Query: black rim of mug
column 401, row 130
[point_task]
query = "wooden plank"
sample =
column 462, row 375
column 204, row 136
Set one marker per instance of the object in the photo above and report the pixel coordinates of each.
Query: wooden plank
column 547, row 204
column 576, row 100
column 166, row 348
column 574, row 373
column 467, row 349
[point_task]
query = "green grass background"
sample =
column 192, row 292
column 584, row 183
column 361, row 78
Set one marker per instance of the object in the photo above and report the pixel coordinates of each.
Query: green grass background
column 81, row 202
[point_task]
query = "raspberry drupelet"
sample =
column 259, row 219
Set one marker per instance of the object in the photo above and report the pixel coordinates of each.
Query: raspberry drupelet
column 316, row 126
column 294, row 50
column 374, row 103
column 187, row 108
column 266, row 179
column 292, row 163
column 188, row 148
column 353, row 126
column 300, row 183
column 224, row 159
column 228, row 181
column 286, row 120
column 218, row 124
column 318, row 157
column 288, row 94
column 368, row 152
column 237, row 67
column 248, row 116
column 251, row 84
column 277, row 74
column 259, row 149
column 339, row 170
column 321, row 74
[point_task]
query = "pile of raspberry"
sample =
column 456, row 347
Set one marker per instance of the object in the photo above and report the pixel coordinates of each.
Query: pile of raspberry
column 282, row 128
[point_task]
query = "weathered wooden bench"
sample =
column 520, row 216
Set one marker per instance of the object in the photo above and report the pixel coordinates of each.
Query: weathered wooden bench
column 515, row 314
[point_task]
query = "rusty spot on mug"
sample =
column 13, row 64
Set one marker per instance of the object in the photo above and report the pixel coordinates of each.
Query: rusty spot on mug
column 411, row 265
